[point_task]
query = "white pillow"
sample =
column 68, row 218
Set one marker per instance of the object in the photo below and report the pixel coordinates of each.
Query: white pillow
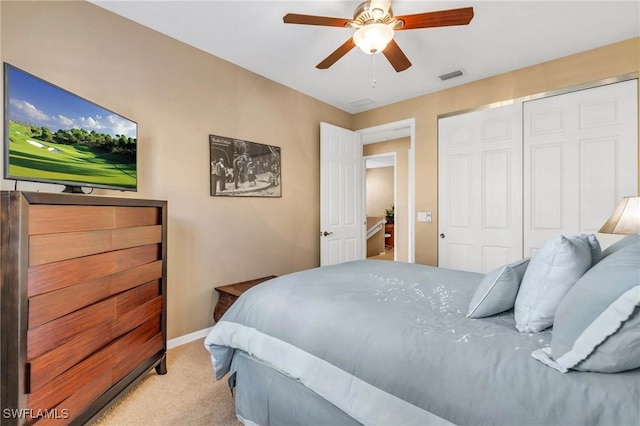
column 603, row 335
column 554, row 269
column 498, row 290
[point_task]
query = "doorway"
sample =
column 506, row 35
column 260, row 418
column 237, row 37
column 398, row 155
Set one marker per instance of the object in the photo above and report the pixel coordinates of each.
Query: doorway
column 380, row 185
column 342, row 195
column 397, row 139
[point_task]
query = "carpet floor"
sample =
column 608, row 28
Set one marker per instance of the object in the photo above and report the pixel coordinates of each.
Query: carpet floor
column 187, row 395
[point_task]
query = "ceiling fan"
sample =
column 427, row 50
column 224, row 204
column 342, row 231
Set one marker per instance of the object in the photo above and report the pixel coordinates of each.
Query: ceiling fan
column 375, row 24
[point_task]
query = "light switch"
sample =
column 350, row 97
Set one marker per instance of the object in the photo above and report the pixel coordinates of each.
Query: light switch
column 424, row 216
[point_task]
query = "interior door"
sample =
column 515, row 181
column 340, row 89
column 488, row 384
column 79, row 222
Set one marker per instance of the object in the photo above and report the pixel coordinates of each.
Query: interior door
column 480, row 189
column 342, row 220
column 581, row 158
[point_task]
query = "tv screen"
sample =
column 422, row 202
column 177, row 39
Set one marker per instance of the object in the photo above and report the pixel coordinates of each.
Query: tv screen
column 54, row 136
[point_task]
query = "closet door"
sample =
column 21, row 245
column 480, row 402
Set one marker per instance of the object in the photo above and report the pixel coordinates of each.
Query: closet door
column 581, row 158
column 480, row 189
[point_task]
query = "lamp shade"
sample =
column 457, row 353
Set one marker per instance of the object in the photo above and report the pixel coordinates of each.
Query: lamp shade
column 373, row 38
column 625, row 218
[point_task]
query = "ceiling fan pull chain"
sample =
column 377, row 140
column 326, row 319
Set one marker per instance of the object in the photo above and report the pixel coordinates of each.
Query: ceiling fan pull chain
column 373, row 71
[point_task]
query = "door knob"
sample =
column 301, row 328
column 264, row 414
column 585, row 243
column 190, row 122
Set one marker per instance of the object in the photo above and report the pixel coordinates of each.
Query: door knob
column 325, row 233
column 442, row 235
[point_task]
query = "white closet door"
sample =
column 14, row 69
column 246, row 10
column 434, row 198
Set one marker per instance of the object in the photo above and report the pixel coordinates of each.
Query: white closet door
column 581, row 158
column 480, row 189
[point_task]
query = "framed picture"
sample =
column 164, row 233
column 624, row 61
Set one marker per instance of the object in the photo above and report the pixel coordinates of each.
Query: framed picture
column 244, row 169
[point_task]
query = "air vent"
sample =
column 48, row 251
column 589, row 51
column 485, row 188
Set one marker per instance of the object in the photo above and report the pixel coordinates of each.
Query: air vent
column 362, row 103
column 450, row 75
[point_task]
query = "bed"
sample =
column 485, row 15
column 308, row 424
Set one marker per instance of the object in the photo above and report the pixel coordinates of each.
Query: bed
column 390, row 343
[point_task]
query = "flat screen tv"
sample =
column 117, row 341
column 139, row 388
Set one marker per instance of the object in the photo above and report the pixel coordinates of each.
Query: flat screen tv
column 54, row 136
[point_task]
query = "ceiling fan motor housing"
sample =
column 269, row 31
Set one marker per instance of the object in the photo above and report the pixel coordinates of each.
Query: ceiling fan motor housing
column 365, row 15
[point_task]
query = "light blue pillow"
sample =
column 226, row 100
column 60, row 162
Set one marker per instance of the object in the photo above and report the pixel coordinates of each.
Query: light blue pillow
column 554, row 269
column 597, row 325
column 596, row 250
column 619, row 245
column 498, row 290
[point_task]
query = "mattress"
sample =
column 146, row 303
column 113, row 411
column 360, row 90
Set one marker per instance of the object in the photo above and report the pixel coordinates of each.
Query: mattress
column 389, row 343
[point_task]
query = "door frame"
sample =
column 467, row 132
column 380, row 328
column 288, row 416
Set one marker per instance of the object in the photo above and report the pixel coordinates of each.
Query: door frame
column 394, row 156
column 390, row 131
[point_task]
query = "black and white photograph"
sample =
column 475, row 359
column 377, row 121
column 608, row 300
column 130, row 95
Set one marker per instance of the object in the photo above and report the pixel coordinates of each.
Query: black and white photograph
column 245, row 169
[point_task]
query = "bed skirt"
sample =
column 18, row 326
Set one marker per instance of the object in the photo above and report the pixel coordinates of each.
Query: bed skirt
column 264, row 396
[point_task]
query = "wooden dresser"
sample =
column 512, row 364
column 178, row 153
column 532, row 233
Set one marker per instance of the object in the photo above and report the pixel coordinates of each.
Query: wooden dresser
column 83, row 299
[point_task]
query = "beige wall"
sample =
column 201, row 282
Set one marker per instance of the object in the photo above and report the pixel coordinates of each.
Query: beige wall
column 380, row 193
column 594, row 65
column 401, row 227
column 179, row 95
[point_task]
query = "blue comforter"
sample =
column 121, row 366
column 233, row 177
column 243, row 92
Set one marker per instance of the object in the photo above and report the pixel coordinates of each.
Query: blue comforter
column 389, row 343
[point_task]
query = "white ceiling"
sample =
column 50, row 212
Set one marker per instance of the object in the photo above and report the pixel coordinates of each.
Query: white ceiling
column 503, row 36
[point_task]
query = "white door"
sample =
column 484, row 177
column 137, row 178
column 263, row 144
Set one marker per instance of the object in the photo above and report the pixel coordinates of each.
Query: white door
column 480, row 189
column 580, row 160
column 342, row 221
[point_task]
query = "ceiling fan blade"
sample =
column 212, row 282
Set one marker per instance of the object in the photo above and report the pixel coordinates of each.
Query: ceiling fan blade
column 337, row 54
column 443, row 18
column 396, row 56
column 294, row 18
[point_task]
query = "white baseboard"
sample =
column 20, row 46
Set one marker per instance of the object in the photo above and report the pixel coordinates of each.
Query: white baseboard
column 188, row 338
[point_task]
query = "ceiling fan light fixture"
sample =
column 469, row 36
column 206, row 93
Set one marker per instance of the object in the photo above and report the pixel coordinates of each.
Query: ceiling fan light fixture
column 373, row 38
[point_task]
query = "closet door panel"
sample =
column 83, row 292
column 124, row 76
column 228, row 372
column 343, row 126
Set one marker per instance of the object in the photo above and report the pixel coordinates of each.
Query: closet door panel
column 547, row 187
column 496, row 189
column 480, row 189
column 580, row 160
column 460, row 190
column 494, row 256
column 598, row 175
column 459, row 256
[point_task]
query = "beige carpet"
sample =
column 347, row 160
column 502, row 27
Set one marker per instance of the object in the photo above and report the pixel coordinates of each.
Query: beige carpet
column 187, row 395
column 389, row 254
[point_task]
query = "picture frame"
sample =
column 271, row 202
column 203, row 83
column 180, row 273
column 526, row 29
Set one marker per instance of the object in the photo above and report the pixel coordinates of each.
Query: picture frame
column 240, row 168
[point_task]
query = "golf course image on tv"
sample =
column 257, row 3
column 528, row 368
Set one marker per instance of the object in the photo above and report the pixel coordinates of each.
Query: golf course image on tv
column 54, row 136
